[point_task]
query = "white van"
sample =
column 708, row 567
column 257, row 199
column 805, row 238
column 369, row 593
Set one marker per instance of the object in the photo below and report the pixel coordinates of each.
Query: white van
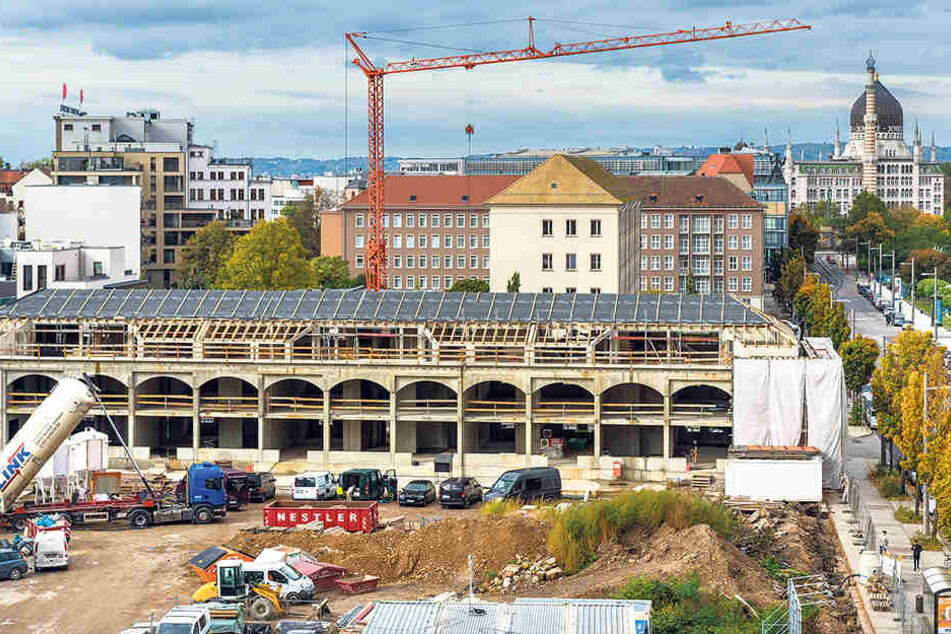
column 292, row 585
column 314, row 485
column 51, row 550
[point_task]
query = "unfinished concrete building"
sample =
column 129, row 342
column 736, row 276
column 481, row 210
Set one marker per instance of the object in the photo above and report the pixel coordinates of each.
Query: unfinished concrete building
column 343, row 378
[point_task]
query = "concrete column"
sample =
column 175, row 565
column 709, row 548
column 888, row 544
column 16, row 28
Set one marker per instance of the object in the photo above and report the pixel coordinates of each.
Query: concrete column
column 394, row 424
column 460, row 433
column 261, row 418
column 5, row 429
column 667, row 443
column 325, row 428
column 196, row 419
column 528, row 425
column 130, row 424
column 597, row 426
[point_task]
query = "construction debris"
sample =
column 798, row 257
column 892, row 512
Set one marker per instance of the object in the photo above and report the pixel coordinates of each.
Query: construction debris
column 522, row 573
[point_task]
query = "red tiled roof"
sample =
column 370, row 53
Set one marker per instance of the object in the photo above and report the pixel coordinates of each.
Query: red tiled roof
column 9, row 177
column 688, row 191
column 442, row 190
column 717, row 164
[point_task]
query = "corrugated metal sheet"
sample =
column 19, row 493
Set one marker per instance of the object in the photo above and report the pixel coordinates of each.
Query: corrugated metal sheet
column 403, row 617
column 388, row 306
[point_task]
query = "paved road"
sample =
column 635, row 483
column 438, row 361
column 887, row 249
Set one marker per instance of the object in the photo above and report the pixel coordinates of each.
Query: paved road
column 868, row 321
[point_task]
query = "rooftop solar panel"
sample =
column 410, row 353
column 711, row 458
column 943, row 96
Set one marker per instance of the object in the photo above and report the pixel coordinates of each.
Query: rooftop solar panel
column 389, row 305
column 75, row 302
column 192, row 302
column 409, row 305
column 53, row 303
column 604, row 307
column 627, row 308
column 439, row 305
column 173, row 303
column 227, row 305
column 475, row 306
column 542, row 309
column 522, row 308
column 328, row 303
column 690, row 306
column 149, row 308
column 305, row 310
column 561, row 309
column 369, row 304
column 133, row 302
column 584, row 306
column 502, row 306
column 348, row 305
column 286, row 305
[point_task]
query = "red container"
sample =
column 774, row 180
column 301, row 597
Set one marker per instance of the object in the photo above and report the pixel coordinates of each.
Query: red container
column 355, row 517
column 357, row 585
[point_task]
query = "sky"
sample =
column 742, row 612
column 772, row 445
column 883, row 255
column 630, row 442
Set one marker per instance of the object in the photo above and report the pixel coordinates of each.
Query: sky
column 275, row 79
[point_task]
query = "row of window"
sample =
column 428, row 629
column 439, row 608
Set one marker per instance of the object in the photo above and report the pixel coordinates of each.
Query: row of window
column 423, row 261
column 571, row 262
column 571, row 228
column 216, row 194
column 420, row 220
column 700, row 222
column 595, row 290
column 701, row 243
column 733, row 284
column 422, row 282
column 424, row 241
column 216, row 176
column 701, row 264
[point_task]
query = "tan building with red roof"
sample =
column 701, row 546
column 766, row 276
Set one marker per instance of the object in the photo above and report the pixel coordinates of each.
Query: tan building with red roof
column 437, row 229
column 736, row 168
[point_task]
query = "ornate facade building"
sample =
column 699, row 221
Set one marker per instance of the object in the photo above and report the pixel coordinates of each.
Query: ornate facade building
column 875, row 158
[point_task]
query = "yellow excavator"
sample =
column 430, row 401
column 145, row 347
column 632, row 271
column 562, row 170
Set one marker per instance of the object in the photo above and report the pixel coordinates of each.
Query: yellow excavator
column 261, row 602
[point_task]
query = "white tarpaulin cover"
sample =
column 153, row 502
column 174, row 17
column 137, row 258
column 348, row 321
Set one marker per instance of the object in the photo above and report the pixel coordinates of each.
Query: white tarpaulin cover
column 825, row 407
column 767, row 401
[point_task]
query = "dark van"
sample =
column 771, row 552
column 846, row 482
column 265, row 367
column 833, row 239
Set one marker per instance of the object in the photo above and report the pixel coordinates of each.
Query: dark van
column 534, row 483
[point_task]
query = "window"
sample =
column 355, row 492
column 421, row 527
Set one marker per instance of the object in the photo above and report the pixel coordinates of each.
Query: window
column 447, row 221
column 718, row 266
column 718, row 224
column 447, row 282
column 684, row 224
column 67, row 126
column 701, row 223
column 731, row 263
column 485, row 221
column 97, row 268
column 571, row 228
column 571, row 290
column 397, row 261
column 701, row 265
column 434, row 243
column 473, row 242
column 410, row 220
column 28, row 278
column 747, row 284
column 485, row 261
column 643, row 221
column 386, row 220
column 668, row 221
column 233, row 177
column 655, row 221
column 485, row 241
column 410, row 281
column 595, row 261
column 59, row 273
column 655, row 262
column 668, row 242
column 731, row 221
column 643, row 283
column 747, row 243
column 422, row 240
column 434, row 261
column 718, row 244
column 234, row 194
column 473, row 220
column 595, row 228
column 410, row 262
column 412, row 198
column 595, row 290
column 731, row 242
column 668, row 284
column 655, row 241
column 422, row 220
column 169, row 256
column 546, row 261
column 571, row 262
column 668, row 263
column 422, row 281
column 397, row 220
column 644, row 261
column 460, row 221
column 655, row 283
column 643, row 240
column 473, row 261
column 436, row 280
column 447, row 241
column 747, row 221
column 397, row 281
column 170, row 164
column 701, row 244
column 435, row 224
column 546, row 289
column 422, row 261
column 40, row 277
column 358, row 241
column 410, row 241
column 547, row 230
column 447, row 262
column 358, row 261
column 460, row 261
column 747, row 263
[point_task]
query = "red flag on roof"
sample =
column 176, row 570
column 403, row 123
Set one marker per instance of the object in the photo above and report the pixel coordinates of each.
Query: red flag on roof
column 80, row 96
column 64, row 90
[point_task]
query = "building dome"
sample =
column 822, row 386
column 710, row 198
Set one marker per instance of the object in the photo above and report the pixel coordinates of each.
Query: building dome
column 888, row 109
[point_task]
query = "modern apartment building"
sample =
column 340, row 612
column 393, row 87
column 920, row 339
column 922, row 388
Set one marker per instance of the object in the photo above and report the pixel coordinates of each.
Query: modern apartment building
column 437, row 229
column 571, row 226
column 221, row 185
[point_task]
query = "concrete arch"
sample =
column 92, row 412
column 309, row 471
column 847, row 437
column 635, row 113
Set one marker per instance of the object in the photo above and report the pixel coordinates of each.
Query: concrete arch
column 568, row 387
column 494, row 387
column 235, row 385
column 293, row 382
column 271, row 381
column 338, row 386
column 427, row 385
column 141, row 378
column 519, row 380
column 543, row 383
column 18, row 376
column 450, row 383
column 109, row 384
column 702, row 397
column 631, row 392
column 165, row 382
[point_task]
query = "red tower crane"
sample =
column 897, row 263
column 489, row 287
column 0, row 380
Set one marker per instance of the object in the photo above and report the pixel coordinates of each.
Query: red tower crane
column 376, row 247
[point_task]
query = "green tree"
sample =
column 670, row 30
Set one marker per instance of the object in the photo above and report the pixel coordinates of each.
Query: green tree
column 790, row 279
column 270, row 257
column 904, row 354
column 470, row 285
column 803, row 237
column 864, row 204
column 305, row 217
column 691, row 285
column 204, row 255
column 858, row 362
column 871, row 228
column 331, row 271
column 514, row 283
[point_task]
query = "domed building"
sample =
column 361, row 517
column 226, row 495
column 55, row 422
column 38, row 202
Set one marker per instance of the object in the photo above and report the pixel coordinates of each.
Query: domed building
column 875, row 158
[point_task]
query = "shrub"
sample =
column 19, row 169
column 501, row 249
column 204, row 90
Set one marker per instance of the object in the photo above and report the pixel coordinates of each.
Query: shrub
column 927, row 542
column 906, row 515
column 577, row 533
column 779, row 570
column 500, row 507
column 680, row 606
column 887, row 481
column 856, row 417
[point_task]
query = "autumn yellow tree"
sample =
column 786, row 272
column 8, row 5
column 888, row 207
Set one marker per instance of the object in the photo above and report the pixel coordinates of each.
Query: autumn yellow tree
column 904, row 354
column 913, row 428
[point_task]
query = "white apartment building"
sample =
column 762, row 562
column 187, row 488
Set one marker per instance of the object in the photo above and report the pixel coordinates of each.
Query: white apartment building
column 286, row 191
column 89, row 214
column 220, row 184
column 67, row 265
column 260, row 198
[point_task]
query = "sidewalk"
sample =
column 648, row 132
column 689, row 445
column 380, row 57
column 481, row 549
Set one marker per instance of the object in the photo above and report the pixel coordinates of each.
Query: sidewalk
column 862, row 452
column 916, row 318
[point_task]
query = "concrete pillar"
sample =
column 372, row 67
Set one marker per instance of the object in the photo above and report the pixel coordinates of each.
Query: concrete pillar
column 597, row 426
column 528, row 425
column 5, row 429
column 196, row 419
column 261, row 418
column 325, row 428
column 460, row 434
column 130, row 419
column 667, row 443
column 394, row 424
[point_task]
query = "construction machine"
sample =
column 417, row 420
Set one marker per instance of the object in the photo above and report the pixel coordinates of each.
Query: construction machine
column 261, row 602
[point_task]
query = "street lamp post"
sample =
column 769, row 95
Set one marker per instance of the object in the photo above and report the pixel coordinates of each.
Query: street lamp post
column 926, row 511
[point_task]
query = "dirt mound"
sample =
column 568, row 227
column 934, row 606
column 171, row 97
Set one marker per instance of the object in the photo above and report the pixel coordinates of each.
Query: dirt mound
column 436, row 554
column 666, row 553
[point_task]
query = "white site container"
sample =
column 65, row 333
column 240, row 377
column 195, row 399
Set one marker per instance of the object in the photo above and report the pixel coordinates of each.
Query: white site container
column 775, row 480
column 88, row 451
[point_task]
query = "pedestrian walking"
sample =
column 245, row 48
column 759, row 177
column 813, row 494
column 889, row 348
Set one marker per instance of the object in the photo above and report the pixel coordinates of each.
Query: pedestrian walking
column 916, row 554
column 883, row 543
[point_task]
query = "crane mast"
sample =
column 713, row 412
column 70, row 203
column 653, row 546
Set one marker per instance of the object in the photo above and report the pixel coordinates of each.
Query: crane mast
column 376, row 246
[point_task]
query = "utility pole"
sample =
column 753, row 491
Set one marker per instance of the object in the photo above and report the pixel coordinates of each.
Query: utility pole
column 926, row 515
column 913, row 289
column 893, row 283
column 879, row 268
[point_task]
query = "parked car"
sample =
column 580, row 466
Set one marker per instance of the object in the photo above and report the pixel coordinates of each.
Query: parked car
column 898, row 320
column 461, row 492
column 12, row 565
column 262, row 486
column 314, row 485
column 418, row 493
column 236, row 485
column 369, row 484
column 534, row 483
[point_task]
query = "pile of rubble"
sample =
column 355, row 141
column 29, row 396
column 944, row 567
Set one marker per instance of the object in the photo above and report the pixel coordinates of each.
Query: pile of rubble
column 523, row 572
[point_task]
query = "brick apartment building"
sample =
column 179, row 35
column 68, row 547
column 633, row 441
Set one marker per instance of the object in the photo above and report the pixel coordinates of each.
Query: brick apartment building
column 437, row 229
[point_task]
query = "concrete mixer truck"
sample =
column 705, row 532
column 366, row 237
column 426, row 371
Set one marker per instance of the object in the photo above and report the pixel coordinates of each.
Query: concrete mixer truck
column 201, row 500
